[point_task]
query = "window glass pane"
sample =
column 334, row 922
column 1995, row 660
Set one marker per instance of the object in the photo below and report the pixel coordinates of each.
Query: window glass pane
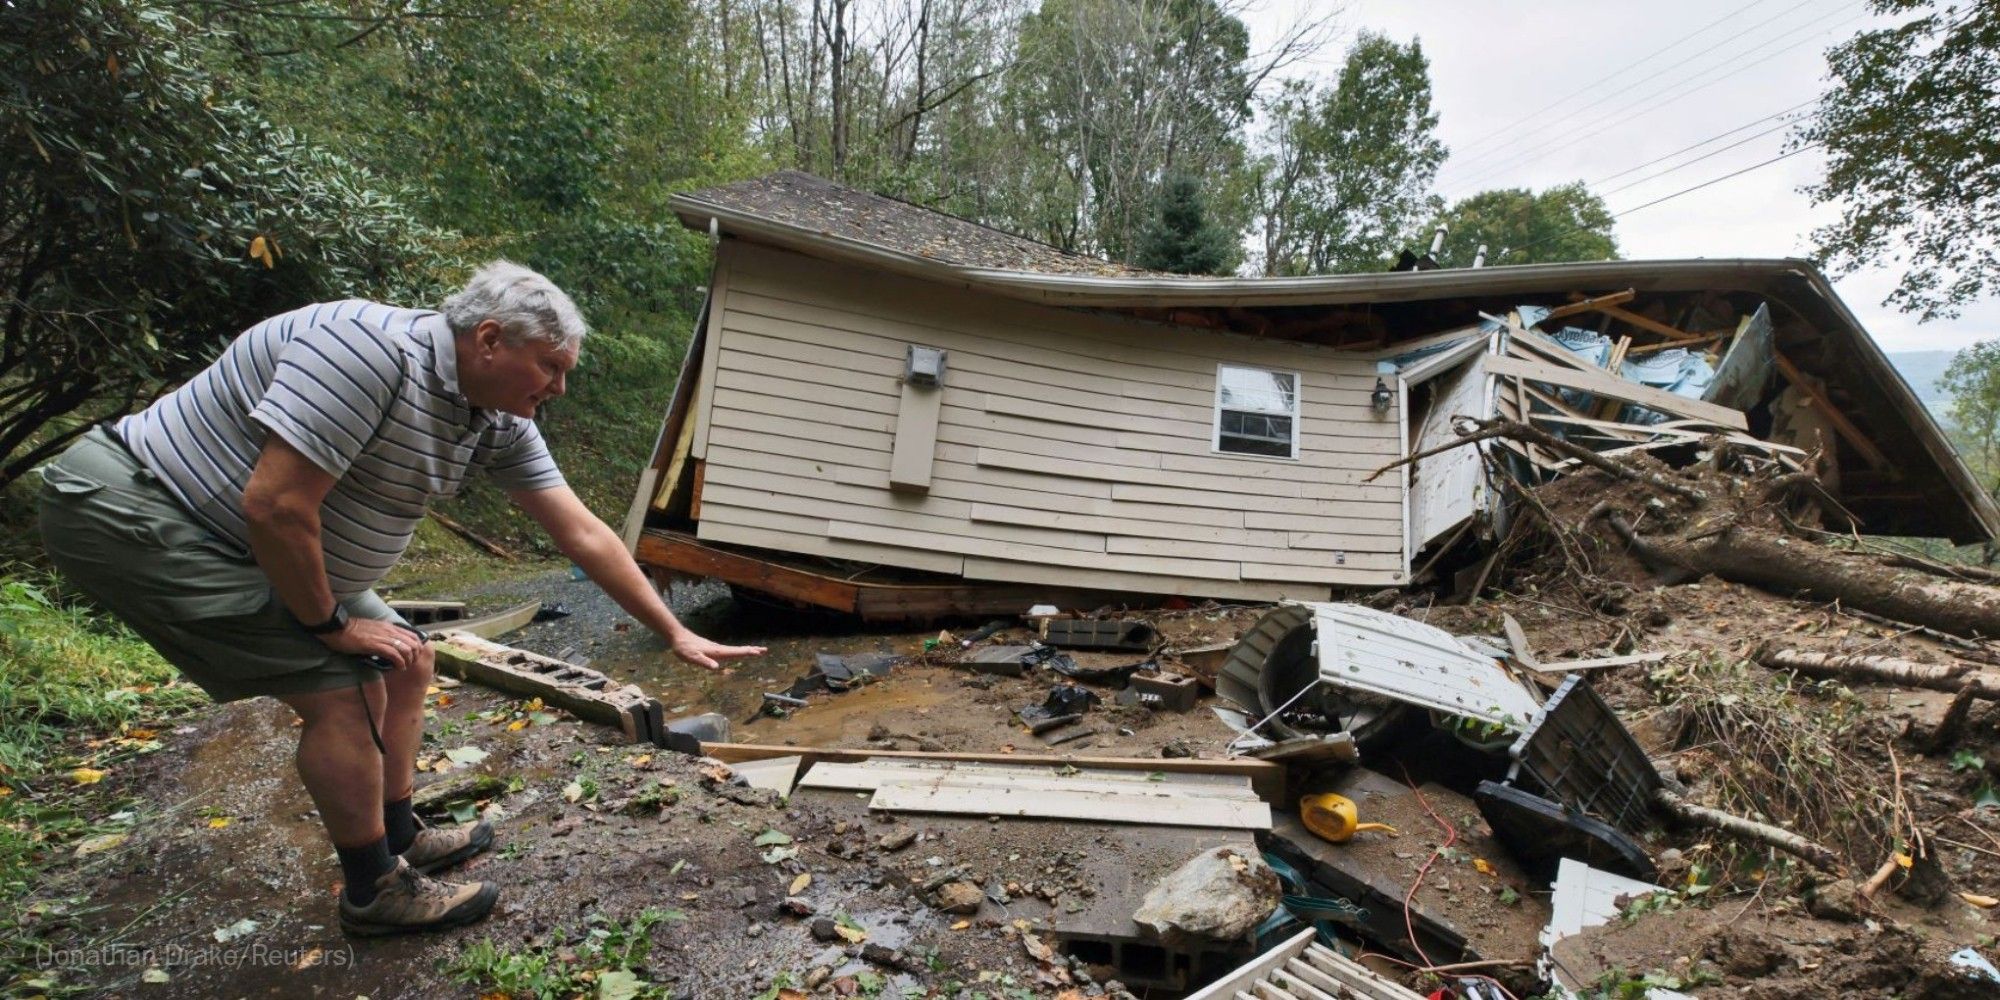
column 1256, row 434
column 1254, row 389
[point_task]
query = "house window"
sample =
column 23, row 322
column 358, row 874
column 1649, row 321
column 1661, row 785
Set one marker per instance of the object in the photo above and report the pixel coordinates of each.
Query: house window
column 1256, row 412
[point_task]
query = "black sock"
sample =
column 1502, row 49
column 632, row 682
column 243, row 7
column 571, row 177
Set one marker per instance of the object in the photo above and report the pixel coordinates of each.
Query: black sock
column 401, row 823
column 361, row 866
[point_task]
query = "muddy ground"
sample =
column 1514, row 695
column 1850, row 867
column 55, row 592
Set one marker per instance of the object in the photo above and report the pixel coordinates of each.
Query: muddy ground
column 591, row 831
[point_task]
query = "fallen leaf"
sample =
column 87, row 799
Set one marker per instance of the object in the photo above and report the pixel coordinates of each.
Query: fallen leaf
column 154, row 975
column 6, row 790
column 1983, row 902
column 224, row 935
column 86, row 776
column 141, row 734
column 961, row 925
column 777, row 854
column 517, row 725
column 1485, row 867
column 98, row 844
column 799, row 884
column 851, row 935
column 572, row 791
column 444, row 701
column 791, row 994
column 642, row 760
column 218, row 823
column 533, row 705
column 772, row 838
column 466, row 755
column 1903, row 859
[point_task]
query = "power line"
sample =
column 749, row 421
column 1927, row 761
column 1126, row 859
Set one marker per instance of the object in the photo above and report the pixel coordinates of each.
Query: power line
column 1691, row 87
column 1704, row 142
column 1519, row 137
column 1629, row 67
column 1628, row 185
column 1615, row 216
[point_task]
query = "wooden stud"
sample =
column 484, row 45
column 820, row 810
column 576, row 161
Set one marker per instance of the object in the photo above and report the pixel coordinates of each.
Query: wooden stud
column 1583, row 305
column 1841, row 425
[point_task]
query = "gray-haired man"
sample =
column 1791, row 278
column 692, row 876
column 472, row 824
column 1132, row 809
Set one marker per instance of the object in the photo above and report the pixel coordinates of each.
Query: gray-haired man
column 239, row 523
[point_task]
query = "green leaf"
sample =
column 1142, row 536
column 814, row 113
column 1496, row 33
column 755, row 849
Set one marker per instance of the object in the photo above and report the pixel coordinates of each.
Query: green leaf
column 618, row 984
column 466, row 755
column 772, row 838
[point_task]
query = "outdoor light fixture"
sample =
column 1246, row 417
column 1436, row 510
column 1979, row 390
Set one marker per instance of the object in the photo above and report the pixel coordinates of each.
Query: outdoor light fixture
column 1381, row 397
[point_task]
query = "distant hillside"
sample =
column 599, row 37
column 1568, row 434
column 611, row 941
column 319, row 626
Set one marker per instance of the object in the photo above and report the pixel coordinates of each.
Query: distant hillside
column 1922, row 369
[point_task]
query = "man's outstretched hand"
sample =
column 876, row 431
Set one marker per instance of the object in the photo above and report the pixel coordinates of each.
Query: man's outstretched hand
column 701, row 652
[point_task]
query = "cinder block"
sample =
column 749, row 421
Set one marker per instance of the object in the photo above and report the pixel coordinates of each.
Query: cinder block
column 1176, row 692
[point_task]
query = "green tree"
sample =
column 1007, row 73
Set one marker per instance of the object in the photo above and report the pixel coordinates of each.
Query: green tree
column 150, row 214
column 1181, row 237
column 1517, row 226
column 1345, row 171
column 1911, row 128
column 1973, row 379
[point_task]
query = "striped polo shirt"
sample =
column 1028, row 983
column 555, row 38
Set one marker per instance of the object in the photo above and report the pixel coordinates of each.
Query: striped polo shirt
column 367, row 392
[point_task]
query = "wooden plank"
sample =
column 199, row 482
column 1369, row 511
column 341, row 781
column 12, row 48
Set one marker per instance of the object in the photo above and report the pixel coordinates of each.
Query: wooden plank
column 1588, row 305
column 1602, row 384
column 1570, row 666
column 866, row 778
column 1053, row 803
column 1267, row 780
column 1646, row 323
column 694, row 497
column 494, row 625
column 682, row 554
column 1841, row 424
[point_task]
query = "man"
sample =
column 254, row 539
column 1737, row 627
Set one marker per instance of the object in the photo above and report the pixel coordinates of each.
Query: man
column 239, row 522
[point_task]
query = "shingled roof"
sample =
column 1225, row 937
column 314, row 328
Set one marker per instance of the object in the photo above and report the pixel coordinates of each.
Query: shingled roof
column 801, row 200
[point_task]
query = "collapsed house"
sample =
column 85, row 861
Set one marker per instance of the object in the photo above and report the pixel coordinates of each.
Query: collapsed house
column 893, row 412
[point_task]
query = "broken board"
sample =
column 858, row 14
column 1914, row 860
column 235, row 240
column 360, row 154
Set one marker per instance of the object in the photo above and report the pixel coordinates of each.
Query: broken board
column 1156, row 798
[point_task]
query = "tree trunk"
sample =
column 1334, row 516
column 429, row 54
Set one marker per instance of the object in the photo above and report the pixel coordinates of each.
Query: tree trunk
column 1788, row 566
column 1954, row 678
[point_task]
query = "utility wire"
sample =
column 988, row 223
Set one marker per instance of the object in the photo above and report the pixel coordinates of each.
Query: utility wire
column 1788, row 154
column 1549, row 123
column 1688, row 87
column 1677, row 91
column 1621, row 71
column 1714, row 138
column 1628, row 185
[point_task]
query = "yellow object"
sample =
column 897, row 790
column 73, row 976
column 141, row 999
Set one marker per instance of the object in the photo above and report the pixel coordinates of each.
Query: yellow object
column 1334, row 817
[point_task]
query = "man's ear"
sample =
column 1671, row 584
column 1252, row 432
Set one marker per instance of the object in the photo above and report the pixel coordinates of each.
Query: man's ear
column 488, row 336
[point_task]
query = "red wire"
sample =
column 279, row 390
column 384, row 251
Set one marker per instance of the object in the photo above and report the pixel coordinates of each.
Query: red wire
column 1409, row 923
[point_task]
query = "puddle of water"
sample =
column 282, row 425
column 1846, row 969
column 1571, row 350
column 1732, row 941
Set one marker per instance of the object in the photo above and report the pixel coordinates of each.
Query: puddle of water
column 831, row 719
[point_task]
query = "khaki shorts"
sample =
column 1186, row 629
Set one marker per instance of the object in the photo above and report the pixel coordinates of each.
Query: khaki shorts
column 122, row 539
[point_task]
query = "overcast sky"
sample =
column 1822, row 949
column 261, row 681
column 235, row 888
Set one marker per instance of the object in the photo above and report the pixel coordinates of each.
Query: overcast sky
column 1531, row 94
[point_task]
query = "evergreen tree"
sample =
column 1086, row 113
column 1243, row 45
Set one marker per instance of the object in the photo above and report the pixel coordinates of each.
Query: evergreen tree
column 1181, row 237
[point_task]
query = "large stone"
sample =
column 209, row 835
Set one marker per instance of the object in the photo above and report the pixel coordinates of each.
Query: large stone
column 1221, row 894
column 959, row 897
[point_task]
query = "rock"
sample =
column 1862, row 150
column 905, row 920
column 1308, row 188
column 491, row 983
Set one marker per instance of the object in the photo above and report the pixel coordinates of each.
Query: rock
column 1841, row 901
column 1221, row 894
column 1177, row 748
column 824, row 929
column 747, row 796
column 754, row 930
column 818, row 976
column 959, row 897
column 888, row 958
column 897, row 839
column 846, row 986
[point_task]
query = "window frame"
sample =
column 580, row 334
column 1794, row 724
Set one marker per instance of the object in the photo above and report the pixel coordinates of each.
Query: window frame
column 1297, row 414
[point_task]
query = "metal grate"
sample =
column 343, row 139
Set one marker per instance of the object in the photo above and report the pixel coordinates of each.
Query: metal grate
column 1578, row 753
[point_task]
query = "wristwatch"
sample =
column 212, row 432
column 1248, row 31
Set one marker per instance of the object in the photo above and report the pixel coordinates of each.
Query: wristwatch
column 334, row 624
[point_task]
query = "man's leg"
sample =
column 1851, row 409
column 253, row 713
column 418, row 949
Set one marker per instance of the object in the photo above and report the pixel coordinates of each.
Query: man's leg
column 342, row 771
column 402, row 733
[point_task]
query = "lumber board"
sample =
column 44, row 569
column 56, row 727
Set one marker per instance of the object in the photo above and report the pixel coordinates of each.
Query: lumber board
column 1590, row 305
column 1267, row 780
column 685, row 555
column 1157, row 809
column 864, row 778
column 1841, row 424
column 1598, row 382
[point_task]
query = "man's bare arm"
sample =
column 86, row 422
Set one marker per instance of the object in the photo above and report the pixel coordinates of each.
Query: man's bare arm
column 598, row 551
column 281, row 504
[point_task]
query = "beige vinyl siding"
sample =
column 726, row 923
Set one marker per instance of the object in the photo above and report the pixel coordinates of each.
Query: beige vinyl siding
column 1072, row 449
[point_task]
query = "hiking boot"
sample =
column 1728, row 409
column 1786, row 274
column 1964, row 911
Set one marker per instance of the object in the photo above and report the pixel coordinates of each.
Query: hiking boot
column 441, row 847
column 407, row 901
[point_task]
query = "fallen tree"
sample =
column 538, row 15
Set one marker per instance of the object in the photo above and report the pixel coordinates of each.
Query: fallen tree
column 1743, row 526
